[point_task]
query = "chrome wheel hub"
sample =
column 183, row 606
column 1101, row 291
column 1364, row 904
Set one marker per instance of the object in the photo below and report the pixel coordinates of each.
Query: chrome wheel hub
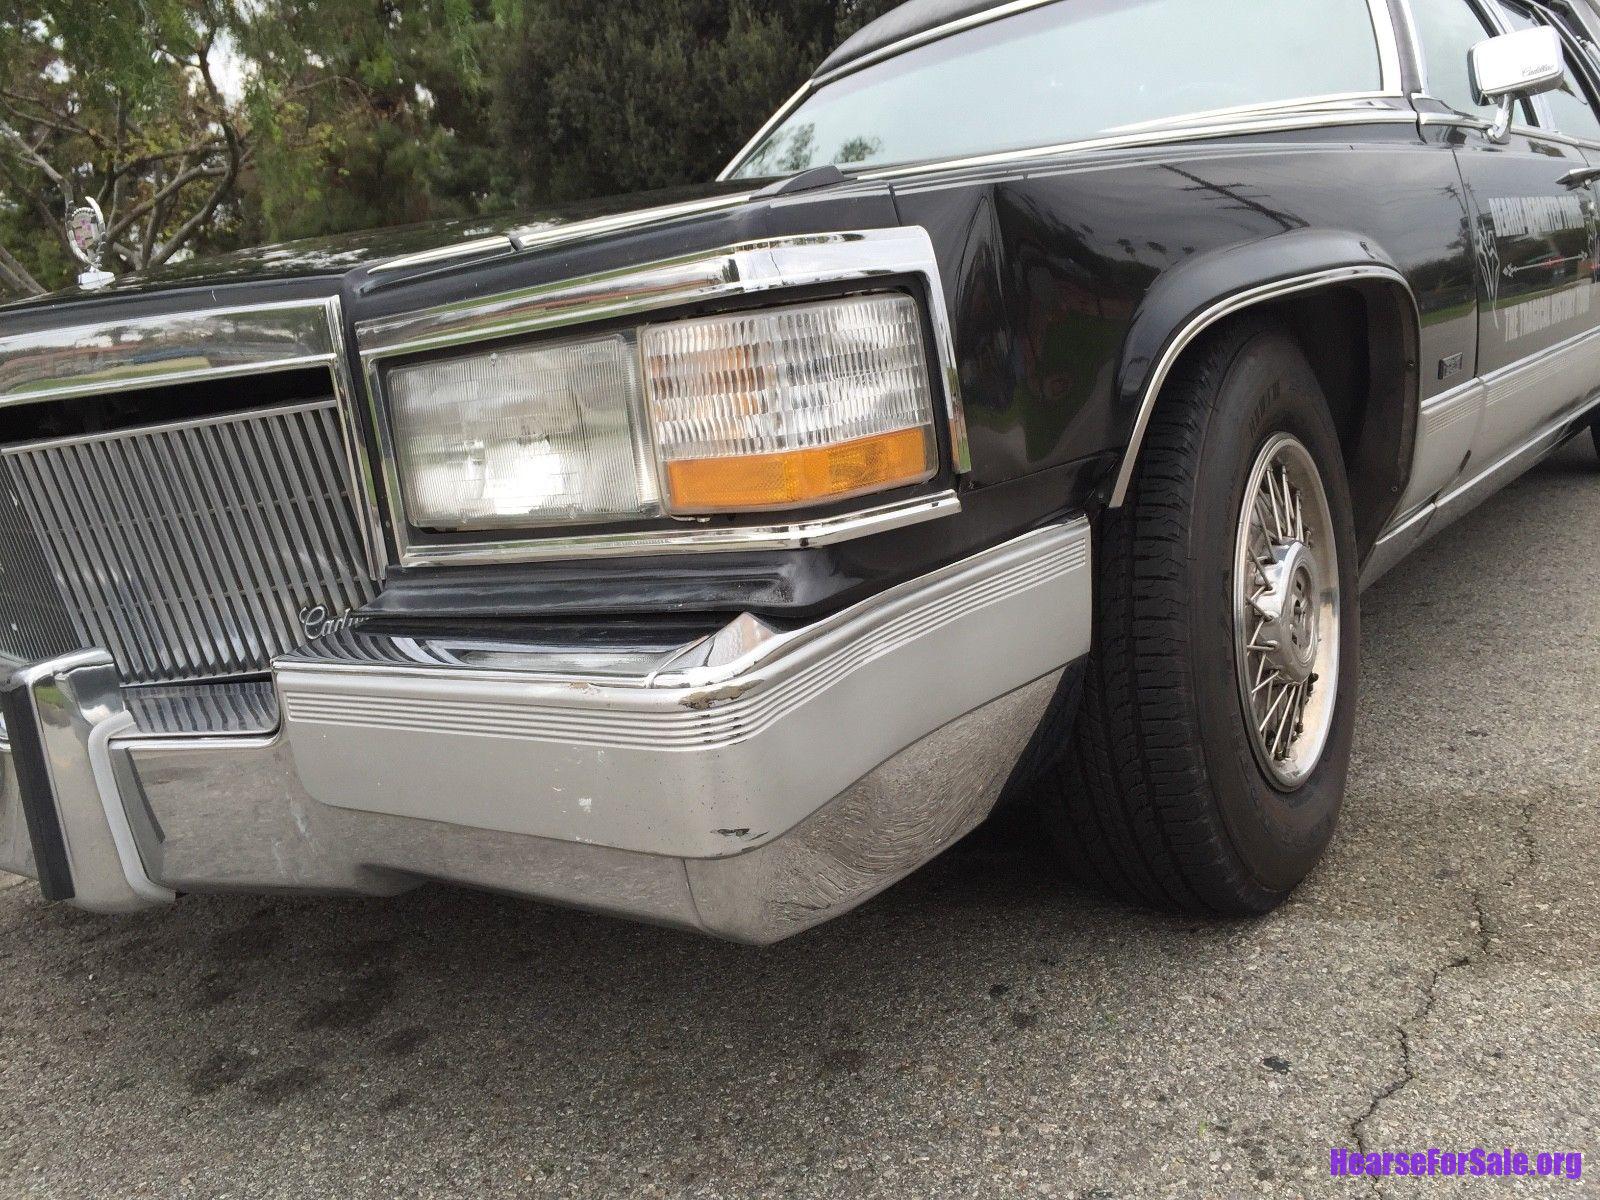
column 1286, row 612
column 1286, row 605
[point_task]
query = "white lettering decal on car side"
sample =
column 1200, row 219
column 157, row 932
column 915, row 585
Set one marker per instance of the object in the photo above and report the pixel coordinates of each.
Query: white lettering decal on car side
column 1567, row 298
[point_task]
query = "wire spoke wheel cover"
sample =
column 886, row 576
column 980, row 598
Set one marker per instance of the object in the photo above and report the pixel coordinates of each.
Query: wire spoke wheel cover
column 1287, row 613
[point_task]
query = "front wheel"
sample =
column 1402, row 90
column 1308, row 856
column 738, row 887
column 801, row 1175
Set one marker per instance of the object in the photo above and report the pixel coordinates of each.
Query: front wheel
column 1213, row 742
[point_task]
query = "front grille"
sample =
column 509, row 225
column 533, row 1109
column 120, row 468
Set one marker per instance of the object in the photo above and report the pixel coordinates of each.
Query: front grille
column 188, row 551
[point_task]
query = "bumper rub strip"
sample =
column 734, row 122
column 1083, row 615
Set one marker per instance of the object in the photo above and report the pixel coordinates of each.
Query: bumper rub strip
column 676, row 714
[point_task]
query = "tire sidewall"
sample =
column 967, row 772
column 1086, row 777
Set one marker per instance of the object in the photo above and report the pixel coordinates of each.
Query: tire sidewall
column 1277, row 835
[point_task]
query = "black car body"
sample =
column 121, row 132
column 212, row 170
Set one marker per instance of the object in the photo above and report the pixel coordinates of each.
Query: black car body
column 238, row 661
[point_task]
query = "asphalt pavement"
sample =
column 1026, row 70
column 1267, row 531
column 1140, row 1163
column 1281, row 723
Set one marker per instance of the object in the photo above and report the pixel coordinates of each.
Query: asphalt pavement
column 979, row 1030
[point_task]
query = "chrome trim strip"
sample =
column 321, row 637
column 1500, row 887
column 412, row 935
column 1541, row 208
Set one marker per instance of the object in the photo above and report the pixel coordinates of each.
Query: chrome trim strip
column 1463, row 121
column 1273, row 121
column 1406, row 35
column 1209, row 317
column 1434, row 405
column 1460, row 492
column 796, row 535
column 1340, row 103
column 423, row 258
column 540, row 237
column 363, row 486
column 938, row 33
column 1506, row 374
column 743, row 269
column 793, row 102
column 1389, row 47
column 124, row 354
column 1447, row 426
column 749, row 269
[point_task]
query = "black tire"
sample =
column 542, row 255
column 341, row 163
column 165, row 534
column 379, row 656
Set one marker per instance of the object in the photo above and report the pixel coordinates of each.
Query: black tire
column 1162, row 800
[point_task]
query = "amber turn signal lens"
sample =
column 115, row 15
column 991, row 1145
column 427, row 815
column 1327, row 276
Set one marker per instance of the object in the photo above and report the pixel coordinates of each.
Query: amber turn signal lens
column 769, row 481
column 786, row 407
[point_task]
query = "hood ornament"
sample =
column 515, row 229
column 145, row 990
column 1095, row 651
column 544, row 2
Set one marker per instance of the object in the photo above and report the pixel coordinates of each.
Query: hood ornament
column 86, row 232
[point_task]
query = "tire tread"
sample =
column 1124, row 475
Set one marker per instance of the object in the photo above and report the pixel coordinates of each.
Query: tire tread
column 1130, row 805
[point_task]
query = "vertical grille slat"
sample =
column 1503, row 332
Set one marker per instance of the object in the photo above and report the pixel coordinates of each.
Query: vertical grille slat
column 34, row 622
column 187, row 550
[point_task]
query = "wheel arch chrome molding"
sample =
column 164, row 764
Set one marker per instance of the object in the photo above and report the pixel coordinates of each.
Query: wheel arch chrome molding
column 762, row 271
column 1231, row 306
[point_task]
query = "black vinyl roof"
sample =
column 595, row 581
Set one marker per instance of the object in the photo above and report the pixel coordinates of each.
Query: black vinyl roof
column 908, row 20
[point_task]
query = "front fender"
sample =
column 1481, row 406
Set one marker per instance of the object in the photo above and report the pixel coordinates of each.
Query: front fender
column 1193, row 296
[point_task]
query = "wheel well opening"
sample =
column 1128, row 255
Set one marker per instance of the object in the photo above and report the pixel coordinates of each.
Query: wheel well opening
column 1360, row 342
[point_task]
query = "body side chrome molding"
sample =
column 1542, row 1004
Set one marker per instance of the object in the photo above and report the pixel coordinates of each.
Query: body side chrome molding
column 1217, row 312
column 749, row 269
column 1389, row 55
column 1446, row 430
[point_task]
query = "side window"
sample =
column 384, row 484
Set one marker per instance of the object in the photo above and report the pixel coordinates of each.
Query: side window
column 1447, row 31
column 1570, row 105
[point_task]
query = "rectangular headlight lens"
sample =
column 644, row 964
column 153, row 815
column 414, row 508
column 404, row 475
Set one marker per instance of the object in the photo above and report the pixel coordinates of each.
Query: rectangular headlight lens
column 754, row 411
column 525, row 437
column 788, row 406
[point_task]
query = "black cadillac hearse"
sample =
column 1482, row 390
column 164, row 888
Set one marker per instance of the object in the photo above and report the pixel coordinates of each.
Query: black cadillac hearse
column 1021, row 414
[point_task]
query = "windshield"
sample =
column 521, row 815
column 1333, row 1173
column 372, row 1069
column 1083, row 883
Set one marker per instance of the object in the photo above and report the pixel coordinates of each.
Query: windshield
column 1072, row 70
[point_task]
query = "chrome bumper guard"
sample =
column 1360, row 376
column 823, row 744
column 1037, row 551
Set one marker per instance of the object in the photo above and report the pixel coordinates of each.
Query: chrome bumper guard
column 749, row 785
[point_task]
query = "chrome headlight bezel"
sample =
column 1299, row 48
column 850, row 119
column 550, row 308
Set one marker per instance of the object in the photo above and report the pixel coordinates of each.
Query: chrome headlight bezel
column 749, row 276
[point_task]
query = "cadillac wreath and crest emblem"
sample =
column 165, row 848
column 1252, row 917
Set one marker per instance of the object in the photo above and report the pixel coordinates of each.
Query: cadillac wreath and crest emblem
column 86, row 231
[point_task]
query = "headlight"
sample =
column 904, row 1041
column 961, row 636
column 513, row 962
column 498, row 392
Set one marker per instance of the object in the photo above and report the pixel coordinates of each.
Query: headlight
column 753, row 411
column 524, row 437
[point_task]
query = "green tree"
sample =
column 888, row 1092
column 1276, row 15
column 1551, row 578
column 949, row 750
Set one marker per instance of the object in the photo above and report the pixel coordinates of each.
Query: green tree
column 641, row 94
column 117, row 100
column 367, row 113
column 201, row 125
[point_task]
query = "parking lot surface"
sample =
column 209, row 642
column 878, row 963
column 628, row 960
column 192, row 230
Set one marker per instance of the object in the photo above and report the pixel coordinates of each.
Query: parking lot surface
column 979, row 1030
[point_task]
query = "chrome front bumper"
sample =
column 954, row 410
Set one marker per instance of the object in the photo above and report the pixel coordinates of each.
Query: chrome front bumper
column 749, row 784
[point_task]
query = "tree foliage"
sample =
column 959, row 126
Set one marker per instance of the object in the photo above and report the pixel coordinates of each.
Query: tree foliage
column 594, row 99
column 201, row 125
column 116, row 100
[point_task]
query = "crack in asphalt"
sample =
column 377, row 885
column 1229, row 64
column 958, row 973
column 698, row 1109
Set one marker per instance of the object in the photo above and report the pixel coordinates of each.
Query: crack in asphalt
column 1483, row 944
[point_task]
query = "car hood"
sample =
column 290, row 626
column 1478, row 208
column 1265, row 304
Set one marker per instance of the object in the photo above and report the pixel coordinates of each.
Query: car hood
column 453, row 240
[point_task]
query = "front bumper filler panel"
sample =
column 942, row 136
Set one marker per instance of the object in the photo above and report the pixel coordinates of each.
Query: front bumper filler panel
column 749, row 785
